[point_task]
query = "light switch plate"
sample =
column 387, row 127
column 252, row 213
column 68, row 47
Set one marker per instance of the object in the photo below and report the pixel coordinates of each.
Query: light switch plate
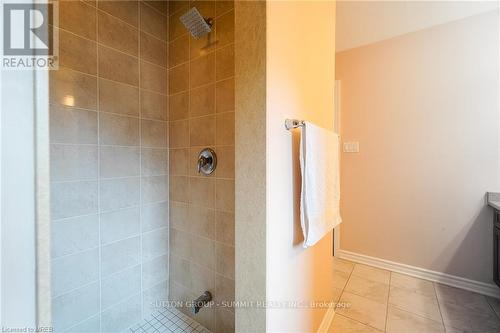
column 351, row 147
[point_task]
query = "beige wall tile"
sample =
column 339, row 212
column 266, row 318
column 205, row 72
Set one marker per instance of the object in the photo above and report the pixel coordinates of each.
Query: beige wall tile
column 202, row 131
column 175, row 6
column 118, row 193
column 224, row 320
column 153, row 133
column 77, row 53
column 153, row 105
column 178, row 79
column 202, row 46
column 127, row 11
column 225, row 162
column 225, row 129
column 154, row 189
column 224, row 289
column 178, row 51
column 202, row 70
column 203, row 252
column 69, row 125
column 119, row 161
column 202, row 279
column 221, row 6
column 225, row 95
column 202, row 191
column 118, row 66
column 153, row 50
column 153, row 78
column 118, row 130
column 224, row 196
column 179, row 188
column 180, row 243
column 117, row 97
column 179, row 271
column 202, row 101
column 206, row 8
column 224, row 227
column 154, row 161
column 178, row 106
column 179, row 162
column 179, row 134
column 78, row 17
column 73, row 89
column 179, row 218
column 175, row 26
column 117, row 34
column 73, row 199
column 225, row 29
column 225, row 62
column 73, row 162
column 161, row 6
column 202, row 221
column 153, row 22
column 225, row 260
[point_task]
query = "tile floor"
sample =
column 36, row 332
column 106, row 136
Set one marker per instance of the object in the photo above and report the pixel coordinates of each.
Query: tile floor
column 168, row 321
column 372, row 300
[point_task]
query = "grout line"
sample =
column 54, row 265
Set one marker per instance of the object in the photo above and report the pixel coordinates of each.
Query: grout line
column 387, row 303
column 141, row 255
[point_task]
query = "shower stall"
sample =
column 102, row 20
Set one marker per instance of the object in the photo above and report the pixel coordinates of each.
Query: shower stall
column 142, row 167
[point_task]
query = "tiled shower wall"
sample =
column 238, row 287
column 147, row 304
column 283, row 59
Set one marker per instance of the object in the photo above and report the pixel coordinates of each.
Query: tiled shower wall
column 201, row 114
column 109, row 164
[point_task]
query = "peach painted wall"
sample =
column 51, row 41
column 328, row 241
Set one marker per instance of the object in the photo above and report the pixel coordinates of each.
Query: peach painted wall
column 424, row 108
column 300, row 84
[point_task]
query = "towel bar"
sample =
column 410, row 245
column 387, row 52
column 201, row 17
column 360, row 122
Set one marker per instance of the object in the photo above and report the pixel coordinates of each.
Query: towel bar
column 293, row 123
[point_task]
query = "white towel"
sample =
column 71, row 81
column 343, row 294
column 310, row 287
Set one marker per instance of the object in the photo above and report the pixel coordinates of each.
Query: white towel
column 319, row 164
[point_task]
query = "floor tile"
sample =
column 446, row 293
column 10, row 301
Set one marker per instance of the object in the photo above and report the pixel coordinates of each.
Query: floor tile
column 340, row 279
column 341, row 324
column 342, row 265
column 372, row 273
column 409, row 282
column 336, row 294
column 462, row 297
column 495, row 304
column 464, row 318
column 370, row 289
column 411, row 301
column 362, row 309
column 399, row 321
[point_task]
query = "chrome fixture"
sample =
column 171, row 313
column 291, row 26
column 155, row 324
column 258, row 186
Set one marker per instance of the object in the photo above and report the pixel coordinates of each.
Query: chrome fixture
column 207, row 161
column 293, row 123
column 197, row 25
column 201, row 302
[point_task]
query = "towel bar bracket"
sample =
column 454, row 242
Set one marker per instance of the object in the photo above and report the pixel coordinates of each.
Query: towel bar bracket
column 293, row 123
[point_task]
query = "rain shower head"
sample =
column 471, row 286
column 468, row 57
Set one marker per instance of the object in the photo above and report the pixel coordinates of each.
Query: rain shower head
column 197, row 25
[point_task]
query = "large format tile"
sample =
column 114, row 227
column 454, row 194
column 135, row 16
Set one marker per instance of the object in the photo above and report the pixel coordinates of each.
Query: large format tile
column 399, row 321
column 72, row 308
column 74, row 234
column 343, row 265
column 341, row 324
column 119, row 224
column 154, row 216
column 364, row 310
column 370, row 289
column 73, row 162
column 408, row 300
column 119, row 161
column 465, row 298
column 119, row 193
column 154, row 244
column 372, row 273
column 121, row 316
column 417, row 285
column 69, row 125
column 495, row 304
column 339, row 279
column 74, row 271
column 154, row 271
column 120, row 255
column 120, row 286
column 70, row 199
column 467, row 319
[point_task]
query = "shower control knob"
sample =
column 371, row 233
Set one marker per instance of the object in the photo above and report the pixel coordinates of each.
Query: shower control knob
column 207, row 161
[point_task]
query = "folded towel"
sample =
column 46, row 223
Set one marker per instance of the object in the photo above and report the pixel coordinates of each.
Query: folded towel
column 319, row 164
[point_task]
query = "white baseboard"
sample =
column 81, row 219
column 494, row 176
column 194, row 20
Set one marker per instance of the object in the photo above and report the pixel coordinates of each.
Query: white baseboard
column 422, row 273
column 327, row 319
